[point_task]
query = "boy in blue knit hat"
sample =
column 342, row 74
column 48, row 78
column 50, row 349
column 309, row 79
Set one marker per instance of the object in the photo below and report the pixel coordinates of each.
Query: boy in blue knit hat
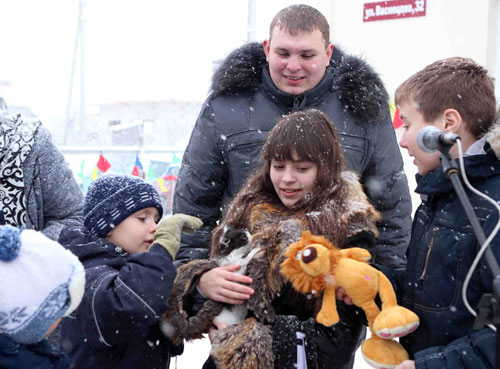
column 128, row 262
column 41, row 282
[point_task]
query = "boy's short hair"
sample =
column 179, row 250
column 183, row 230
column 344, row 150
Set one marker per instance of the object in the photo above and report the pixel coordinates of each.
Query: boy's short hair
column 299, row 18
column 456, row 83
column 111, row 198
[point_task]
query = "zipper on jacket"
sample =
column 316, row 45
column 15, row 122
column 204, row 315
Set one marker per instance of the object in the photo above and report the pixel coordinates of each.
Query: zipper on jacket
column 298, row 103
column 433, row 238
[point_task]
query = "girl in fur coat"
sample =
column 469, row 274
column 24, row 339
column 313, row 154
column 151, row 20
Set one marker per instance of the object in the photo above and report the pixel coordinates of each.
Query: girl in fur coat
column 301, row 185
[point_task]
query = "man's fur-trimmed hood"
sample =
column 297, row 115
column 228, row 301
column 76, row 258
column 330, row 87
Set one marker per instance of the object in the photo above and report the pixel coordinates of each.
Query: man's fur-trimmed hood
column 493, row 135
column 359, row 88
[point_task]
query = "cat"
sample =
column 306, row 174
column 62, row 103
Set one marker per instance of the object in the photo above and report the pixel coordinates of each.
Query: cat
column 235, row 247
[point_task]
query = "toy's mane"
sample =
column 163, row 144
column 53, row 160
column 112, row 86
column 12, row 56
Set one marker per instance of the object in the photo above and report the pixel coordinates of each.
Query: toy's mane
column 302, row 281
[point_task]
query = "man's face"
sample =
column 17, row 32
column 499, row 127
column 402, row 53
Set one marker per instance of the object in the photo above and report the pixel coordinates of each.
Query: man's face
column 297, row 63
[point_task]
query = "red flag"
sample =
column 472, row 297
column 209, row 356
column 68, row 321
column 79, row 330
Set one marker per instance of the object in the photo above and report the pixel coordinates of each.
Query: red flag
column 170, row 177
column 397, row 122
column 103, row 164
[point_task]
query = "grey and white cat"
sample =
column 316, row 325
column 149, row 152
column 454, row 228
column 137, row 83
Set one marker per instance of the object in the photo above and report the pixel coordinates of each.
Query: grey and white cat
column 235, row 248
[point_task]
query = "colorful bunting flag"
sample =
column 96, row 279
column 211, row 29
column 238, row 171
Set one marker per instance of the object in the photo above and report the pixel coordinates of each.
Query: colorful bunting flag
column 176, row 159
column 138, row 170
column 170, row 177
column 82, row 167
column 173, row 169
column 161, row 185
column 151, row 174
column 102, row 166
column 397, row 122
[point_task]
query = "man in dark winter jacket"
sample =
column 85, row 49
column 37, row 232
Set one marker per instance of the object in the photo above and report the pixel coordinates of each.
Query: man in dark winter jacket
column 254, row 87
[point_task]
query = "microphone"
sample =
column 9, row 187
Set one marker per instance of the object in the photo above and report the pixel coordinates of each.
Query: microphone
column 431, row 139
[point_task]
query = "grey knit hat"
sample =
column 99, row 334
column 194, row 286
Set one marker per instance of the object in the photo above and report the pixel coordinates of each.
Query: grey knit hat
column 111, row 198
column 41, row 282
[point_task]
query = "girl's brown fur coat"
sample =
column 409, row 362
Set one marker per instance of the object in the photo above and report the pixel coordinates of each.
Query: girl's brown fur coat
column 273, row 228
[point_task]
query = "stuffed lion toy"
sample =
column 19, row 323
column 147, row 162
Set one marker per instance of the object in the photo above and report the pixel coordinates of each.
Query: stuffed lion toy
column 313, row 265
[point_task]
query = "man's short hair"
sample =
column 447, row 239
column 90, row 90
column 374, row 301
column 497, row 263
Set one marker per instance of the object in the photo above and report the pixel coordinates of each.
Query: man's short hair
column 456, row 83
column 300, row 18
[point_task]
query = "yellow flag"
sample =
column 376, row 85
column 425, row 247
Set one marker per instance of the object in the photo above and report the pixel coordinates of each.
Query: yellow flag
column 94, row 174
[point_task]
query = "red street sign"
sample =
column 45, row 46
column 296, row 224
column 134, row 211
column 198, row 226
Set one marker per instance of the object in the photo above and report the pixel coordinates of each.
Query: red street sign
column 393, row 9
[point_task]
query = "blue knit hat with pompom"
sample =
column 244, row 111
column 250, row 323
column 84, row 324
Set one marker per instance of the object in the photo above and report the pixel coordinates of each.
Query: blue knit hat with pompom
column 41, row 282
column 111, row 198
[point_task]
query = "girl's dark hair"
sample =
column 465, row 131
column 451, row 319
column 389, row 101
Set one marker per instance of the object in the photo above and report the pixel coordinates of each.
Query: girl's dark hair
column 312, row 135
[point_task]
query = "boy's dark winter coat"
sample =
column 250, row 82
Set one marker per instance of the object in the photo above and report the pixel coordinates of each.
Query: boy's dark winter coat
column 245, row 105
column 117, row 323
column 441, row 251
column 41, row 355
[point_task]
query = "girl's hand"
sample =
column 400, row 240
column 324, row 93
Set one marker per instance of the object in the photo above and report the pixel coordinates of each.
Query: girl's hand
column 341, row 295
column 216, row 326
column 221, row 284
column 407, row 364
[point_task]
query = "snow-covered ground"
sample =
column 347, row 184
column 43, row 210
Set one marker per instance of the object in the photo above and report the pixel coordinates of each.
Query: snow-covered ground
column 196, row 352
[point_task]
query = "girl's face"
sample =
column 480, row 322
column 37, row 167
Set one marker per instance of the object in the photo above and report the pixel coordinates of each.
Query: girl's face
column 135, row 233
column 293, row 179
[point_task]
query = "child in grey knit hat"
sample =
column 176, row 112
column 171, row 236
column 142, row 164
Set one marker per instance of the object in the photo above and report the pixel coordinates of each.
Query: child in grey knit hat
column 41, row 282
column 128, row 261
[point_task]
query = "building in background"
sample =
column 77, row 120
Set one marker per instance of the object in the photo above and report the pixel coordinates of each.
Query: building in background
column 150, row 135
column 398, row 43
column 400, row 46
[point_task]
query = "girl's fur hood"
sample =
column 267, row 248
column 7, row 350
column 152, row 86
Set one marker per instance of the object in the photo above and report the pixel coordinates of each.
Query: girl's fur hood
column 359, row 88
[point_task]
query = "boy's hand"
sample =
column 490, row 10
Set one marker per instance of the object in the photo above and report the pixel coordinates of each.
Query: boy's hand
column 168, row 233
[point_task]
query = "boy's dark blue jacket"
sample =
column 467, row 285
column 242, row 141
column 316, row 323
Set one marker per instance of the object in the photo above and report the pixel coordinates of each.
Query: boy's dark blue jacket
column 441, row 250
column 117, row 323
column 41, row 355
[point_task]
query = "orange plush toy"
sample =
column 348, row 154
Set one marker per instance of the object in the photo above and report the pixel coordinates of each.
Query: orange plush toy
column 313, row 264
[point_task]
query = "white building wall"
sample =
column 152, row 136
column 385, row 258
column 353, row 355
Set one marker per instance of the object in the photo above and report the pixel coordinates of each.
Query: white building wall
column 398, row 48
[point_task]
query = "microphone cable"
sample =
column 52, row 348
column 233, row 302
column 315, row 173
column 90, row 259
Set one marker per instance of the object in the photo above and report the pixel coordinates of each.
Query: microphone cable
column 486, row 243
